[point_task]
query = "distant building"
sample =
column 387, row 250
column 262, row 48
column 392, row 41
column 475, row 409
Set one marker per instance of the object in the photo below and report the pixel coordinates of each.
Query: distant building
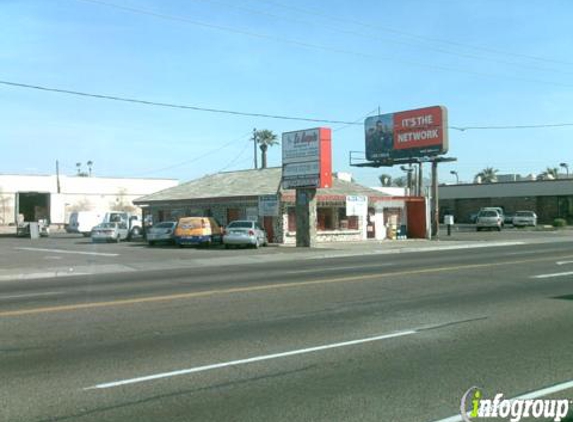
column 34, row 197
column 548, row 198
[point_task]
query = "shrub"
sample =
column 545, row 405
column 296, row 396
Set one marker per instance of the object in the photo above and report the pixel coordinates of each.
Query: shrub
column 559, row 222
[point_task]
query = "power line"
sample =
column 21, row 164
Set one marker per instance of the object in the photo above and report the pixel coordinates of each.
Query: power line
column 169, row 105
column 319, row 13
column 197, row 158
column 311, row 45
column 376, row 37
column 463, row 129
column 261, row 115
column 234, row 160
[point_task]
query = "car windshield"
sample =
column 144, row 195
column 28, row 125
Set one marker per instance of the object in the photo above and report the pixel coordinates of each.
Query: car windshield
column 190, row 223
column 524, row 214
column 240, row 225
column 168, row 225
column 489, row 214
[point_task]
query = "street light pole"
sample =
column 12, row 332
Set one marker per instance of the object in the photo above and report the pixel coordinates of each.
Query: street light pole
column 457, row 176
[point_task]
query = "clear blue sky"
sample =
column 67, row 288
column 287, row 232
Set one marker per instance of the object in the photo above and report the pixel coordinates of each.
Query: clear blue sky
column 489, row 62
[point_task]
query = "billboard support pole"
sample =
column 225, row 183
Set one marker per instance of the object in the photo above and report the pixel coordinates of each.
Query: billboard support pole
column 435, row 206
column 305, row 217
column 420, row 180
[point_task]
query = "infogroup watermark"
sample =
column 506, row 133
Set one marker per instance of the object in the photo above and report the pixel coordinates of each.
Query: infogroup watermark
column 475, row 406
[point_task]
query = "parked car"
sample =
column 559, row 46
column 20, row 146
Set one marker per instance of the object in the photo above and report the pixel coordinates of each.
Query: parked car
column 244, row 233
column 83, row 222
column 489, row 219
column 106, row 232
column 161, row 232
column 200, row 231
column 525, row 218
column 131, row 221
column 499, row 210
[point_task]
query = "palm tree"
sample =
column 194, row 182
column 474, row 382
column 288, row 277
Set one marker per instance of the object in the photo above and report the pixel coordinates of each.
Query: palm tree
column 79, row 167
column 265, row 138
column 90, row 163
column 400, row 182
column 550, row 173
column 385, row 180
column 487, row 175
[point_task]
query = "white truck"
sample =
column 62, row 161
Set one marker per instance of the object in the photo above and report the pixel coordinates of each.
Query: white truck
column 84, row 221
column 126, row 221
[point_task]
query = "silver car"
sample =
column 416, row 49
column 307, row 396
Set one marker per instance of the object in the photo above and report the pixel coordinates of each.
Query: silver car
column 489, row 219
column 244, row 233
column 106, row 232
column 524, row 218
column 162, row 232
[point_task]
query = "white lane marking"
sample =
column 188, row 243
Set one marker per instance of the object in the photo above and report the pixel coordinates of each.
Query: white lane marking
column 66, row 251
column 528, row 396
column 348, row 267
column 564, row 262
column 29, row 295
column 248, row 360
column 553, row 275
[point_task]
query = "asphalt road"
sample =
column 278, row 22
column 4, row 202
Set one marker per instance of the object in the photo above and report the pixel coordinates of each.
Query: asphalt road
column 374, row 338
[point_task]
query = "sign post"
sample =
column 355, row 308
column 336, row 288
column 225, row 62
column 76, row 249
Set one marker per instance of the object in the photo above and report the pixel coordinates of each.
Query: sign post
column 307, row 166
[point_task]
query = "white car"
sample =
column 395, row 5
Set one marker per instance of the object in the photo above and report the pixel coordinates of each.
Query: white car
column 489, row 219
column 244, row 233
column 106, row 232
column 161, row 232
column 524, row 218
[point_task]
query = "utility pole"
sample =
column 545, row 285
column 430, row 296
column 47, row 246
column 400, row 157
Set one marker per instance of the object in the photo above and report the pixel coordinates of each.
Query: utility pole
column 58, row 176
column 255, row 152
column 435, row 206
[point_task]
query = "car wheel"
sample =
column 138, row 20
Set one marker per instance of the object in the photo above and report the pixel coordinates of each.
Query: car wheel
column 151, row 243
column 135, row 232
column 478, row 229
column 227, row 246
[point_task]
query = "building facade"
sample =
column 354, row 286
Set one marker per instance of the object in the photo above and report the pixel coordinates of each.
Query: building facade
column 549, row 199
column 34, row 197
column 247, row 194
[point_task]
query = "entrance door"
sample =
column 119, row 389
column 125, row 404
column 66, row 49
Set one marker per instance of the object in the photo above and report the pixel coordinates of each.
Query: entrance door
column 232, row 214
column 268, row 225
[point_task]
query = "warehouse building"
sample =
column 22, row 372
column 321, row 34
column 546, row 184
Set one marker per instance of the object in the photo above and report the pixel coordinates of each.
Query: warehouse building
column 549, row 199
column 35, row 197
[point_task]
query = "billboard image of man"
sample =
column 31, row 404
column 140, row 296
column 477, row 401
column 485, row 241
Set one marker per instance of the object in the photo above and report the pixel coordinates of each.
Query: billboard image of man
column 379, row 136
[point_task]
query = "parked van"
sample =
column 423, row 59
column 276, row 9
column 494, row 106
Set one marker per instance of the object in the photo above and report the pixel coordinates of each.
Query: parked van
column 198, row 231
column 84, row 221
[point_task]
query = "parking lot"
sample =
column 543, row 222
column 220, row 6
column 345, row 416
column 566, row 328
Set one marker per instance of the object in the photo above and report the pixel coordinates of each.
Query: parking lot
column 64, row 253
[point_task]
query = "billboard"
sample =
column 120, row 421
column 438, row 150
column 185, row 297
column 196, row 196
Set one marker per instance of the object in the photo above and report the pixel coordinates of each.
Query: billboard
column 407, row 134
column 307, row 159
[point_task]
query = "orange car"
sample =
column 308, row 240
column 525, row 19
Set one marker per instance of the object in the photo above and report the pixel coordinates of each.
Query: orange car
column 198, row 231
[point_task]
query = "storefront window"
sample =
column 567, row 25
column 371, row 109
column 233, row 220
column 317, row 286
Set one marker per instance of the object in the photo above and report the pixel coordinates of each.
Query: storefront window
column 347, row 223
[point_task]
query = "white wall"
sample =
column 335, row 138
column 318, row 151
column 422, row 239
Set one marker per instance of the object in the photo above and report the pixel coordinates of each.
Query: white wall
column 82, row 193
